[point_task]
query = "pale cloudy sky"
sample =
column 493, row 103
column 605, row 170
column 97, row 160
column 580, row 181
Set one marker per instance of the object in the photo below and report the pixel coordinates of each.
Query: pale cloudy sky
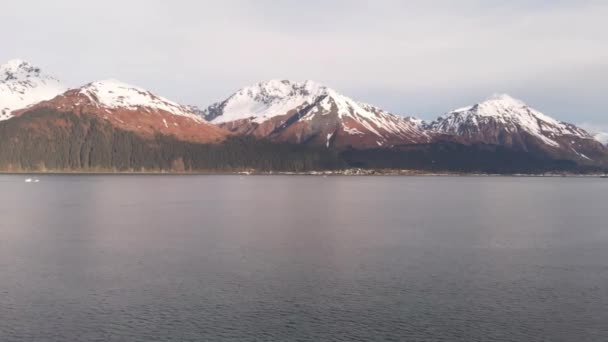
column 411, row 57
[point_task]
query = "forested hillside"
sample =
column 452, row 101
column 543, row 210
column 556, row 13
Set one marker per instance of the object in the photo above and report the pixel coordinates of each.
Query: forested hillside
column 46, row 140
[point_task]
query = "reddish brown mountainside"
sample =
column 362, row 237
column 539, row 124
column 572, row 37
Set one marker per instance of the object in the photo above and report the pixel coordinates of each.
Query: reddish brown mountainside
column 311, row 113
column 134, row 109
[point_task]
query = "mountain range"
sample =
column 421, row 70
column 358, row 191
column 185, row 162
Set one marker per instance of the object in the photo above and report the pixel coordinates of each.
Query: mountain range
column 310, row 113
column 278, row 125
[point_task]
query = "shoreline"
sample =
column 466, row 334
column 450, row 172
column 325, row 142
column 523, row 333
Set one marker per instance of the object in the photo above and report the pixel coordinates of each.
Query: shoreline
column 348, row 172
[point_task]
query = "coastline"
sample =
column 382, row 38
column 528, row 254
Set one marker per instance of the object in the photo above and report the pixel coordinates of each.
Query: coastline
column 346, row 172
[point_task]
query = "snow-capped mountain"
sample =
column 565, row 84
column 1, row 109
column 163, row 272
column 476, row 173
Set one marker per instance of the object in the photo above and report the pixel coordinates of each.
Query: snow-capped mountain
column 113, row 94
column 22, row 84
column 135, row 109
column 503, row 120
column 308, row 112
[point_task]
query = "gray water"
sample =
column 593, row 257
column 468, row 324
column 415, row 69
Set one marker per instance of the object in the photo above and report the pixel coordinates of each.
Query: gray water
column 298, row 258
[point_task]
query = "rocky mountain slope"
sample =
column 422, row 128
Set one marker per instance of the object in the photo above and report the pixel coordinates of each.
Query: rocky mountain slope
column 22, row 84
column 505, row 121
column 310, row 113
column 133, row 109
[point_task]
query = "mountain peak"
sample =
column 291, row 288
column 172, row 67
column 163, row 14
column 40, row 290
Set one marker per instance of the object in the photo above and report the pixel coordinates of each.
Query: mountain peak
column 284, row 83
column 502, row 106
column 264, row 100
column 505, row 100
column 112, row 93
column 18, row 69
column 109, row 85
column 273, row 90
column 15, row 63
column 23, row 84
column 495, row 105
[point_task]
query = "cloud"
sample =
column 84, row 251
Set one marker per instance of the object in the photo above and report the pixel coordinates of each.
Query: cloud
column 412, row 57
column 594, row 127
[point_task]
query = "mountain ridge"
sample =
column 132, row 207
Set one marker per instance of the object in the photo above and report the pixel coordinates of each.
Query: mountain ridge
column 133, row 109
column 295, row 113
column 308, row 112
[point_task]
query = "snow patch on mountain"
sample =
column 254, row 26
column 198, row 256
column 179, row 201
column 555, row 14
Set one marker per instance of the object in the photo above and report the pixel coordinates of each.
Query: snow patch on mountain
column 22, row 85
column 115, row 94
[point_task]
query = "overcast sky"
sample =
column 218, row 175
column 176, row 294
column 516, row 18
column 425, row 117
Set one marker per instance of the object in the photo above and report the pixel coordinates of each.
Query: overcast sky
column 411, row 57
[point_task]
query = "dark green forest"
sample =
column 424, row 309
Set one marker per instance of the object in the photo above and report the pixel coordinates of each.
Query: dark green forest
column 47, row 140
column 449, row 156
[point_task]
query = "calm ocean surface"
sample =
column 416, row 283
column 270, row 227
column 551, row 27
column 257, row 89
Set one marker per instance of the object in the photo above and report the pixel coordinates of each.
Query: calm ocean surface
column 301, row 258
